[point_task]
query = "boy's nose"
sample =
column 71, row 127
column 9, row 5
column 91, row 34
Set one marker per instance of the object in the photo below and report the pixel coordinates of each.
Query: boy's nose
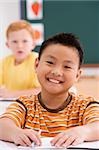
column 57, row 72
column 19, row 44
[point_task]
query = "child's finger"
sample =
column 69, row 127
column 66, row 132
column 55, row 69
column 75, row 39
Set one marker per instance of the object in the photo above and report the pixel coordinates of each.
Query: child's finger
column 57, row 138
column 26, row 140
column 78, row 141
column 34, row 137
column 68, row 141
column 20, row 142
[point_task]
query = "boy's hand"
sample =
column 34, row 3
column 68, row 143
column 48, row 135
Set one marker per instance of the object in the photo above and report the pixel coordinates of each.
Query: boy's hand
column 25, row 137
column 73, row 136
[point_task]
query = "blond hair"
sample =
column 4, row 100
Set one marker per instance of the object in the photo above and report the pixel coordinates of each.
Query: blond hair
column 19, row 25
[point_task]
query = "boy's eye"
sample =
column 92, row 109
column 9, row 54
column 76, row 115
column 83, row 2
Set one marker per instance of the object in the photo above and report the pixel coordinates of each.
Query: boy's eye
column 67, row 67
column 49, row 62
column 25, row 41
column 14, row 41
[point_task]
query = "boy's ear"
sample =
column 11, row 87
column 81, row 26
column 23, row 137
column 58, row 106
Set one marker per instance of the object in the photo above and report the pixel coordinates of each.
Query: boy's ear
column 7, row 44
column 79, row 73
column 36, row 63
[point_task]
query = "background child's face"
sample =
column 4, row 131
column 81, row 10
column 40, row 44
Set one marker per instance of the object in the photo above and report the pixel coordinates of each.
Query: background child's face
column 21, row 43
column 57, row 68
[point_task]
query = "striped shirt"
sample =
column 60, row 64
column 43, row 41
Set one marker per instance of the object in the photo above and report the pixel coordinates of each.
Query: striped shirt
column 28, row 112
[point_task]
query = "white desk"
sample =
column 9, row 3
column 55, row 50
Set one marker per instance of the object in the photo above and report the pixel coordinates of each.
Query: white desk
column 7, row 146
column 46, row 146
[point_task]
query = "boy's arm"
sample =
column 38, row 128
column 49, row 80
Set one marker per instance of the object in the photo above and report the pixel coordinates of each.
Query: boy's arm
column 9, row 131
column 7, row 127
column 77, row 135
column 12, row 124
column 92, row 129
column 91, row 120
column 89, row 131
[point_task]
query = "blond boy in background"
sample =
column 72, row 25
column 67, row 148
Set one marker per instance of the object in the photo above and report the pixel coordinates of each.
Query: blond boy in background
column 17, row 74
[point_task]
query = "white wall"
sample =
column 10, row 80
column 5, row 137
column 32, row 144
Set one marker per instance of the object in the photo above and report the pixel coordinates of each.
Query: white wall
column 9, row 12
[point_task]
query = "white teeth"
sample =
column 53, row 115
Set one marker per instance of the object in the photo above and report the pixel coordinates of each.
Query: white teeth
column 54, row 81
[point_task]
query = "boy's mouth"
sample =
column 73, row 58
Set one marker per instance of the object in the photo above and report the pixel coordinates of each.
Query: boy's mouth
column 20, row 52
column 54, row 81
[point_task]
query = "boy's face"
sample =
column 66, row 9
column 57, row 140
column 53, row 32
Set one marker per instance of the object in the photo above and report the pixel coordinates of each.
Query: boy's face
column 57, row 69
column 21, row 43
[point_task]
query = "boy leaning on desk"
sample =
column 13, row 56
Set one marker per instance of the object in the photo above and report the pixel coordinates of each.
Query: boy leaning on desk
column 70, row 119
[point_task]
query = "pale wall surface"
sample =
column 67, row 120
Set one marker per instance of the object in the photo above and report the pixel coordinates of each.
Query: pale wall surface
column 9, row 11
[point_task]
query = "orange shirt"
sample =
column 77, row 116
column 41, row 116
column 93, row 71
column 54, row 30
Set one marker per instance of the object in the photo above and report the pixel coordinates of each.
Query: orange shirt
column 30, row 113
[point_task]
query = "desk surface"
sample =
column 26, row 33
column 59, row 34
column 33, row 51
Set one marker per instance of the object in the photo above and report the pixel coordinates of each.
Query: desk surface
column 11, row 146
column 46, row 146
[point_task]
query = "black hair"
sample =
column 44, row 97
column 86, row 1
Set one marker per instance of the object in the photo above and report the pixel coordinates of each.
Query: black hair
column 65, row 39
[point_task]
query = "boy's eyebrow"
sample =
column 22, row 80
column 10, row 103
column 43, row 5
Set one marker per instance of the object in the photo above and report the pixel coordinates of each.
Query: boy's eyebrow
column 51, row 56
column 68, row 61
column 65, row 61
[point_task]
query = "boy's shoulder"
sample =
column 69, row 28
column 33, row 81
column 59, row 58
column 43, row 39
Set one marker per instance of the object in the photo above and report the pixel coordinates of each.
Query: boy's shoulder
column 7, row 58
column 28, row 100
column 83, row 100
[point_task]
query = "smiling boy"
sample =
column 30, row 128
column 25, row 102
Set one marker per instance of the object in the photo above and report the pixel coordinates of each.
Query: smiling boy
column 70, row 119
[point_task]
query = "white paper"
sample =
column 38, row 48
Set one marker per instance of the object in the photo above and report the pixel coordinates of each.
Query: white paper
column 89, row 145
column 46, row 144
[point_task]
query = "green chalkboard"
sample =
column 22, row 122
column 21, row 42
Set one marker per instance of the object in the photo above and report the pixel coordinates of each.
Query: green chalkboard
column 78, row 17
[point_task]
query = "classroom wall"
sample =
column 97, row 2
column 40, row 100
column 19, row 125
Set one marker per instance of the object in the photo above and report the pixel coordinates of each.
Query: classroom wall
column 9, row 11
